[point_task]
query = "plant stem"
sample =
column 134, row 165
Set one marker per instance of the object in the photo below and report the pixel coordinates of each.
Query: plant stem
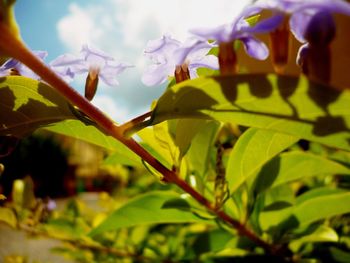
column 16, row 49
column 129, row 126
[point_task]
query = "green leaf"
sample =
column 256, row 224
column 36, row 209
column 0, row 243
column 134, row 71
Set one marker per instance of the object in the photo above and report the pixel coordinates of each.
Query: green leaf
column 147, row 209
column 177, row 203
column 8, row 25
column 186, row 130
column 8, row 216
column 152, row 145
column 252, row 150
column 78, row 130
column 213, row 241
column 322, row 207
column 199, row 152
column 26, row 104
column 292, row 166
column 283, row 104
column 321, row 234
column 310, row 207
column 165, row 140
column 339, row 255
column 118, row 158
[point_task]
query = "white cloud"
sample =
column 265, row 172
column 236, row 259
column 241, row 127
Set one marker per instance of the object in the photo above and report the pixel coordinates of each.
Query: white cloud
column 85, row 25
column 130, row 23
column 111, row 108
column 138, row 19
column 122, row 29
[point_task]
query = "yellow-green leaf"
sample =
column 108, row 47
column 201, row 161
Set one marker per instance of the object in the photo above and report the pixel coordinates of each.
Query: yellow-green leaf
column 290, row 105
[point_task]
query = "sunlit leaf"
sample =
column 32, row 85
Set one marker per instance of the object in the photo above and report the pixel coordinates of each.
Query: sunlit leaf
column 78, row 130
column 310, row 207
column 26, row 104
column 199, row 152
column 165, row 140
column 288, row 105
column 147, row 209
column 292, row 166
column 252, row 150
column 185, row 132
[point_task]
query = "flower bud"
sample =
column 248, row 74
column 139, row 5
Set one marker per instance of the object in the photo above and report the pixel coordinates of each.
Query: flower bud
column 91, row 86
column 181, row 73
column 279, row 42
column 227, row 58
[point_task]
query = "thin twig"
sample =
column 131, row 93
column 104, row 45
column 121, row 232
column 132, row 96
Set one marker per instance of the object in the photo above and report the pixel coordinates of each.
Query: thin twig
column 130, row 125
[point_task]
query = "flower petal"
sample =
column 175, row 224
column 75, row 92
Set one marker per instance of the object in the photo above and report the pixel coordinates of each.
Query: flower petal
column 255, row 47
column 10, row 63
column 157, row 74
column 86, row 51
column 220, row 33
column 109, row 73
column 302, row 53
column 209, row 61
column 298, row 24
column 65, row 60
column 191, row 49
column 161, row 50
column 333, row 6
column 266, row 25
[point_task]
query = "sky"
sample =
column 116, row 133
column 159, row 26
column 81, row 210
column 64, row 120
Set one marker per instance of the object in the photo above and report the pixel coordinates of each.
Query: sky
column 122, row 29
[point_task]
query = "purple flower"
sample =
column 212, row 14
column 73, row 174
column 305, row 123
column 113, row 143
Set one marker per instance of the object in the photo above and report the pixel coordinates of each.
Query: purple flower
column 302, row 12
column 92, row 61
column 170, row 56
column 240, row 29
column 14, row 67
column 51, row 205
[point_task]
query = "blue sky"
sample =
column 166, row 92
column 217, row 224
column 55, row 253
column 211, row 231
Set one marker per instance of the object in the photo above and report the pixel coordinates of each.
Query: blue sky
column 120, row 28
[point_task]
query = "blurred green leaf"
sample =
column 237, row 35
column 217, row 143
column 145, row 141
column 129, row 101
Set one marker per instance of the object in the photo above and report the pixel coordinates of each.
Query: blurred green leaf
column 292, row 166
column 252, row 150
column 283, row 104
column 78, row 130
column 26, row 104
column 147, row 209
column 212, row 241
column 321, row 234
column 8, row 216
column 8, row 24
column 339, row 255
column 310, row 207
column 74, row 228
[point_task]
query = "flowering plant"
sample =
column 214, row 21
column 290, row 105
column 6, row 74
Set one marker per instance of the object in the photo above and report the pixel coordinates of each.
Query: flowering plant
column 253, row 166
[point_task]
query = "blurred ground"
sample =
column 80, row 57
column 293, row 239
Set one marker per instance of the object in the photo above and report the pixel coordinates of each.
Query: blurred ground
column 14, row 242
